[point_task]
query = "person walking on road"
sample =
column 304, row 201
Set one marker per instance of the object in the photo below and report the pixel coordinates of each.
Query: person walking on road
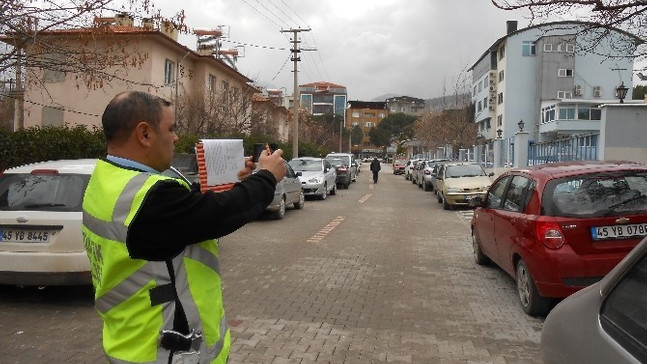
column 375, row 168
column 151, row 239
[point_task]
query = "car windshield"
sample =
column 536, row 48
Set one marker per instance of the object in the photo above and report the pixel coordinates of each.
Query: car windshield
column 306, row 165
column 464, row 170
column 596, row 195
column 46, row 192
column 400, row 162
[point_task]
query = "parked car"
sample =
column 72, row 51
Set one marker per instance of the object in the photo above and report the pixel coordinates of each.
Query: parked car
column 318, row 176
column 414, row 171
column 408, row 167
column 289, row 191
column 434, row 173
column 343, row 172
column 605, row 322
column 557, row 228
column 40, row 223
column 459, row 182
column 347, row 160
column 398, row 166
column 424, row 173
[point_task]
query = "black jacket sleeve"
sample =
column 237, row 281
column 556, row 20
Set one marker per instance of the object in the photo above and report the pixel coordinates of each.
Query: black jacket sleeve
column 172, row 217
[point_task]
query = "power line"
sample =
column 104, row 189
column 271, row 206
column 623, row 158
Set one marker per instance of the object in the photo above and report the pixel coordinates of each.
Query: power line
column 281, row 69
column 256, row 45
column 295, row 13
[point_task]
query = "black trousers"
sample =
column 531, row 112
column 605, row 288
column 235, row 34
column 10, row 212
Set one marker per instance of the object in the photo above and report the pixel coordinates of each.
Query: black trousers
column 375, row 176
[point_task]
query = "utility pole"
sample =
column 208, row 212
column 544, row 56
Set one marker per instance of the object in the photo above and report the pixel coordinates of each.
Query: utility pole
column 295, row 58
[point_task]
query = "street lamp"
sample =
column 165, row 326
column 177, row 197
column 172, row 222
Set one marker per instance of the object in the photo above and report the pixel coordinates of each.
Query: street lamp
column 621, row 91
column 521, row 125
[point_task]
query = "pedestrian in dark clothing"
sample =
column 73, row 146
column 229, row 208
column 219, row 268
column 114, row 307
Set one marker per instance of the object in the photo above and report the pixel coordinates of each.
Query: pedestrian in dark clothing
column 375, row 168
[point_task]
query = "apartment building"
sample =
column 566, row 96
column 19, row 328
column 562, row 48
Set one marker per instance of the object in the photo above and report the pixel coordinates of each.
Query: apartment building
column 405, row 104
column 552, row 76
column 323, row 98
column 153, row 62
column 366, row 115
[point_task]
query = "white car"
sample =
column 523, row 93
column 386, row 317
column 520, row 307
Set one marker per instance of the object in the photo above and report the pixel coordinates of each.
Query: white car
column 318, row 177
column 40, row 223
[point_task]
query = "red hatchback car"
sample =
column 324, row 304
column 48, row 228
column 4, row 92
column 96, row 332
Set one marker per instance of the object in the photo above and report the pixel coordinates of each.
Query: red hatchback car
column 557, row 228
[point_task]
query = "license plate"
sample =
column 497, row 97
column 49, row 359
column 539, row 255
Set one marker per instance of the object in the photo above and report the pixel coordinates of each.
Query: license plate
column 24, row 236
column 619, row 231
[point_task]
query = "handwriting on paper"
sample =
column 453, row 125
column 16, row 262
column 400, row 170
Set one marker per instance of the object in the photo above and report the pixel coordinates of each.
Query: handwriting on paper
column 223, row 159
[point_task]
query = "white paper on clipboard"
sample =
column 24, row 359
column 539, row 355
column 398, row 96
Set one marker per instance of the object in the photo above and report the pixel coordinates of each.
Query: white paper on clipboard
column 223, row 159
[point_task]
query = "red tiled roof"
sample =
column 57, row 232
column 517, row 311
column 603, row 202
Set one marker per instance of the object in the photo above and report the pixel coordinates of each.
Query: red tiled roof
column 322, row 84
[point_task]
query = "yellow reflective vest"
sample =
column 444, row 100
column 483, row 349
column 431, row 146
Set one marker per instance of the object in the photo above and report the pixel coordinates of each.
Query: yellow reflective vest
column 132, row 295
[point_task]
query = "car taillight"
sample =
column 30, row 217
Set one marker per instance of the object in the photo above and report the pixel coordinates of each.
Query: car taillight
column 427, row 172
column 549, row 232
column 341, row 169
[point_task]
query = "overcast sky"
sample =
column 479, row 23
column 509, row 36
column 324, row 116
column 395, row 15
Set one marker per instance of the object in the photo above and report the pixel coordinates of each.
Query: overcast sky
column 373, row 47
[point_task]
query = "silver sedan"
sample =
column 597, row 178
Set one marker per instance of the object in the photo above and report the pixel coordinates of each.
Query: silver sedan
column 317, row 176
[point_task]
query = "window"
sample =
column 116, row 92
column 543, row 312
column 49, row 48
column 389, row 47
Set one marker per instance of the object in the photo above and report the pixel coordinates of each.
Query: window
column 548, row 114
column 354, row 123
column 475, row 90
column 515, row 198
column 566, row 112
column 484, row 102
column 562, row 72
column 369, row 125
column 548, row 47
column 169, row 72
column 501, row 52
column 355, row 114
column 499, row 120
column 381, row 115
column 528, row 48
column 495, row 194
column 570, row 48
column 564, row 95
column 369, row 114
column 212, row 83
column 501, row 76
column 225, row 85
column 624, row 313
column 500, row 98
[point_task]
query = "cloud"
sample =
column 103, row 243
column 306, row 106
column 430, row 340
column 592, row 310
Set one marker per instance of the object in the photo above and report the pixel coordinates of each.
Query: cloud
column 373, row 47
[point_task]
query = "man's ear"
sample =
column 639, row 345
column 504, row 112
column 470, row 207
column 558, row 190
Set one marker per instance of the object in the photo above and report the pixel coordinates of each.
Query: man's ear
column 143, row 133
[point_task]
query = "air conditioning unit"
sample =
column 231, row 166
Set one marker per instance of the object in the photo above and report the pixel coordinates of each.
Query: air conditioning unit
column 577, row 90
column 492, row 75
column 491, row 107
column 491, row 101
column 597, row 91
column 492, row 88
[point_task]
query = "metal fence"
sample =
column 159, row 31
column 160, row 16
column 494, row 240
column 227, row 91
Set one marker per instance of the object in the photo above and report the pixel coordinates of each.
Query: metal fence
column 576, row 147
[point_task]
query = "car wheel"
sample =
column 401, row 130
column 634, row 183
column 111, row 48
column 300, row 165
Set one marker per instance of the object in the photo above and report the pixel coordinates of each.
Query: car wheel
column 281, row 211
column 446, row 206
column 334, row 189
column 531, row 302
column 426, row 187
column 302, row 201
column 324, row 194
column 479, row 256
column 438, row 198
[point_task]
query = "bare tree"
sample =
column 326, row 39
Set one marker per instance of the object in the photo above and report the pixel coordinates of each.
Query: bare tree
column 601, row 18
column 225, row 113
column 33, row 35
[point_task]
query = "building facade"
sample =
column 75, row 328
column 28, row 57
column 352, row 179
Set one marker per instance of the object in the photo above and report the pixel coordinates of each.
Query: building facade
column 552, row 76
column 405, row 104
column 323, row 98
column 158, row 64
column 366, row 115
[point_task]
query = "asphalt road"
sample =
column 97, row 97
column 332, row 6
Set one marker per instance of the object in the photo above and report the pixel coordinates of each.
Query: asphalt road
column 376, row 274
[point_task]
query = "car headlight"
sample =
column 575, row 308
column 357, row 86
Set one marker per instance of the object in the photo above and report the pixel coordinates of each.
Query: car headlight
column 314, row 180
column 453, row 190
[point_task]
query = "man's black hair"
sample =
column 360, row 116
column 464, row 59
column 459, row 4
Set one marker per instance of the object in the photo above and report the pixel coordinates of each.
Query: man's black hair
column 129, row 108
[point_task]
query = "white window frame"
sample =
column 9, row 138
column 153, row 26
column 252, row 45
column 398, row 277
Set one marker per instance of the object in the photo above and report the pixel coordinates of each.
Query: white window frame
column 548, row 47
column 169, row 72
column 564, row 95
column 564, row 72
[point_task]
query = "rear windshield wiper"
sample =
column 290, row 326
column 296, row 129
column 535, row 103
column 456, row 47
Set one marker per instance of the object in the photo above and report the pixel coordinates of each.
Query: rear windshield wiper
column 617, row 204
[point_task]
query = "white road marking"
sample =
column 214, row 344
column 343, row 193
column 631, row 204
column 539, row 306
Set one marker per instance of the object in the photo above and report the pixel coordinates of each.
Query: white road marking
column 365, row 198
column 321, row 234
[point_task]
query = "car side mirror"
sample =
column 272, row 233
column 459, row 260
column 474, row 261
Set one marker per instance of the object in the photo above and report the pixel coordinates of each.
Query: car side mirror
column 299, row 174
column 475, row 202
column 491, row 174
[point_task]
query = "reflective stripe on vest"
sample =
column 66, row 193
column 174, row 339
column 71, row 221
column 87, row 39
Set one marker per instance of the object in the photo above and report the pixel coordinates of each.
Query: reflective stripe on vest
column 115, row 232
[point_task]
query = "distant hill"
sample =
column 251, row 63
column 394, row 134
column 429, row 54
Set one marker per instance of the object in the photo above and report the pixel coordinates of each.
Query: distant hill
column 448, row 102
column 384, row 97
